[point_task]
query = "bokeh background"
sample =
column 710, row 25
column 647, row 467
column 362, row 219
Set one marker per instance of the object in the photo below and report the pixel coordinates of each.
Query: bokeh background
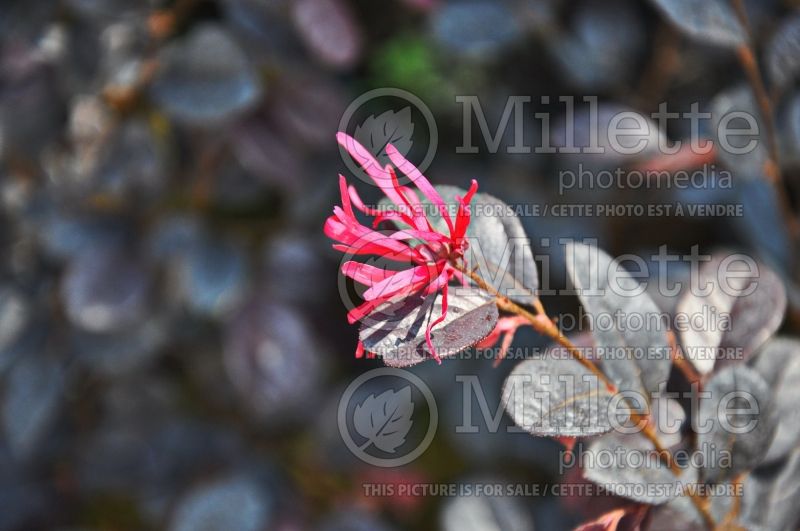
column 173, row 345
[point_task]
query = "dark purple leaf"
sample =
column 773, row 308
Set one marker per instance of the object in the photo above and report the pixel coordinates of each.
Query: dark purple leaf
column 778, row 362
column 731, row 438
column 31, row 402
column 711, row 21
column 635, row 358
column 205, row 77
column 353, row 519
column 211, row 277
column 15, row 314
column 265, row 152
column 309, row 107
column 396, row 330
column 770, row 496
column 104, row 290
column 622, row 476
column 756, row 316
column 481, row 513
column 122, row 351
column 273, row 361
column 680, row 513
column 783, row 52
column 762, row 226
column 588, row 130
column 628, row 466
column 603, row 46
column 329, row 30
column 738, row 314
column 788, row 123
column 558, row 396
column 231, row 503
column 476, row 29
column 748, row 165
column 507, row 256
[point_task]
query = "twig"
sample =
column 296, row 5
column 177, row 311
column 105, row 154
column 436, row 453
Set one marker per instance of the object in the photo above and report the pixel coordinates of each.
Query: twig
column 680, row 361
column 686, row 368
column 541, row 323
column 729, row 521
column 747, row 58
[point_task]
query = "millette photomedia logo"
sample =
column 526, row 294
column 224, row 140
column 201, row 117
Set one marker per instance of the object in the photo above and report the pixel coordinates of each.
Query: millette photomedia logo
column 393, row 116
column 387, row 417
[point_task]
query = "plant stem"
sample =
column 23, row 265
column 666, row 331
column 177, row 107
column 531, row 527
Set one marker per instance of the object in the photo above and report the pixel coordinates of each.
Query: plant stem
column 700, row 503
column 729, row 521
column 747, row 58
column 543, row 324
column 686, row 369
column 681, row 363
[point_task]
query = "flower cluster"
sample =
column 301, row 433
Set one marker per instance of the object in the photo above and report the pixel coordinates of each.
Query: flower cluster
column 414, row 240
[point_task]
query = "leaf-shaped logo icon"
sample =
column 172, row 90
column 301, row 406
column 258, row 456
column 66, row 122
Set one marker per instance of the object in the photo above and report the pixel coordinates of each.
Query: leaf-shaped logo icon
column 385, row 420
column 390, row 127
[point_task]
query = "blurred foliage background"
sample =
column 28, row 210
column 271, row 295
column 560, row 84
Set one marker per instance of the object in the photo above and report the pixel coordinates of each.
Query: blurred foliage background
column 172, row 342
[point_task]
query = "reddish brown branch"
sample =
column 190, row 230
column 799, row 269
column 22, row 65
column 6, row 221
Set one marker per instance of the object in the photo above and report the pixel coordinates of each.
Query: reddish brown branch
column 747, row 58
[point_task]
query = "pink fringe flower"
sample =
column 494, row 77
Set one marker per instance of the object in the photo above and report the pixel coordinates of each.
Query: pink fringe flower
column 431, row 253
